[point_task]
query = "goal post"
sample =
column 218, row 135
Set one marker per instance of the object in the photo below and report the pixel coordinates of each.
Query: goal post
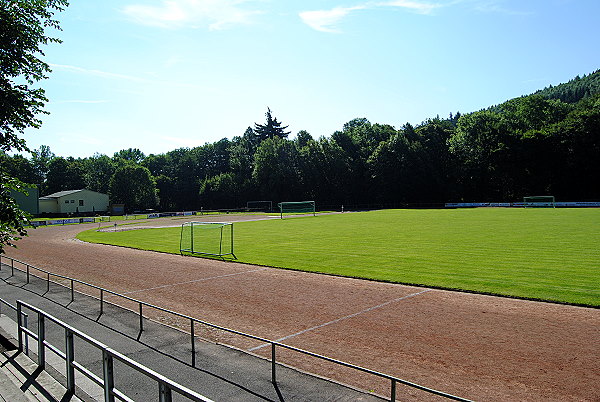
column 298, row 207
column 264, row 206
column 539, row 201
column 207, row 238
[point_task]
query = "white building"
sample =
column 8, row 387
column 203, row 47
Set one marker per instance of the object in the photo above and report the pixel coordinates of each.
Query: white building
column 73, row 202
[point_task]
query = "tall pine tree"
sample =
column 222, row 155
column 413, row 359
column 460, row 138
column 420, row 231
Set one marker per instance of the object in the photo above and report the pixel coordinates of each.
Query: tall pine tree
column 271, row 129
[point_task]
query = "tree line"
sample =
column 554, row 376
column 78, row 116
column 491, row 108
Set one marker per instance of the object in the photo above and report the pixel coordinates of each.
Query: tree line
column 545, row 143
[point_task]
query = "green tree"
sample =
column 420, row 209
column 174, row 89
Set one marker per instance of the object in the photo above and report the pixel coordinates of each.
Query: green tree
column 134, row 186
column 57, row 178
column 303, row 138
column 98, row 170
column 21, row 37
column 12, row 219
column 131, row 154
column 276, row 169
column 324, row 168
column 271, row 129
column 220, row 191
column 19, row 167
column 22, row 33
column 40, row 158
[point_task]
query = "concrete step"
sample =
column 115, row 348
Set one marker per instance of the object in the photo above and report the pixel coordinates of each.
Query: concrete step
column 20, row 378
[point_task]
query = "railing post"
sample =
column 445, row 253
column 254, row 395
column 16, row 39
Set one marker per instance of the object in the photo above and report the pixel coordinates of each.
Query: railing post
column 108, row 376
column 101, row 301
column 273, row 372
column 48, row 283
column 193, row 343
column 70, row 357
column 164, row 393
column 393, row 391
column 141, row 319
column 41, row 339
column 20, row 324
column 12, row 267
column 25, row 321
column 27, row 265
column 72, row 292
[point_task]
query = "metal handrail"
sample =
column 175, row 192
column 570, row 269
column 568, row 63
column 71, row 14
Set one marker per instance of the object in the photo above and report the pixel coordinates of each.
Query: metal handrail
column 25, row 319
column 393, row 380
column 166, row 385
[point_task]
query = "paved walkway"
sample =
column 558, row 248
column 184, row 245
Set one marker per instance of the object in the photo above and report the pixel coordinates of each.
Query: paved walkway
column 221, row 373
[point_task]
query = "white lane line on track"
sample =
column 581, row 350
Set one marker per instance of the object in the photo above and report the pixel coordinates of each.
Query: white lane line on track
column 195, row 280
column 340, row 319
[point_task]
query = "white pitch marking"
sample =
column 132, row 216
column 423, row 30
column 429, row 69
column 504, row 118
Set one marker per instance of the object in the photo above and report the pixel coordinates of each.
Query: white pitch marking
column 340, row 319
column 195, row 280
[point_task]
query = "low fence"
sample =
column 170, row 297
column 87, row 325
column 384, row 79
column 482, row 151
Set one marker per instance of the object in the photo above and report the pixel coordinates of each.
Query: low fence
column 166, row 387
column 558, row 204
column 274, row 345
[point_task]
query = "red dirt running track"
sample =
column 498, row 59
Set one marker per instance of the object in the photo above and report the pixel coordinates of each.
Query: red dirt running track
column 475, row 346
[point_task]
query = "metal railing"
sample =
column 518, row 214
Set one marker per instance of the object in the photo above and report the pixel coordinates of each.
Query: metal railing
column 25, row 319
column 166, row 387
column 393, row 381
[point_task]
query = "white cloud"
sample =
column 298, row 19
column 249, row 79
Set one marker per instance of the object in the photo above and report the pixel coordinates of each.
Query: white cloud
column 326, row 20
column 216, row 14
column 416, row 6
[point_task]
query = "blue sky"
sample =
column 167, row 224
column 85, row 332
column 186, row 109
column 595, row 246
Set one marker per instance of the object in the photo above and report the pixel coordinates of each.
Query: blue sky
column 163, row 74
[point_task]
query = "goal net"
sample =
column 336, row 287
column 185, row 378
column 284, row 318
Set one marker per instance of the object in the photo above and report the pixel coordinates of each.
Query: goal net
column 259, row 206
column 207, row 238
column 539, row 201
column 297, row 207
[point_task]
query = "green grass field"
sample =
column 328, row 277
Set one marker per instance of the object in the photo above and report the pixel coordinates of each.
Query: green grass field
column 548, row 254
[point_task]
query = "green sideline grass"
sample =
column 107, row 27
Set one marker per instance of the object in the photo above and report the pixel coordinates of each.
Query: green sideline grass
column 547, row 254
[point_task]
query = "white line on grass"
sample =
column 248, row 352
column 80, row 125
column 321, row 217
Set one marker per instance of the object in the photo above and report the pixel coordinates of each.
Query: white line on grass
column 195, row 280
column 340, row 319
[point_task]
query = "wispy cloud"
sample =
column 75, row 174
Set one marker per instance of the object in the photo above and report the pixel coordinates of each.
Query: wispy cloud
column 80, row 101
column 97, row 73
column 216, row 14
column 415, row 6
column 496, row 6
column 327, row 20
column 147, row 80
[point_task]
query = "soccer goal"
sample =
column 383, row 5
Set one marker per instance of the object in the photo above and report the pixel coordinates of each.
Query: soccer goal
column 297, row 207
column 539, row 201
column 207, row 238
column 261, row 206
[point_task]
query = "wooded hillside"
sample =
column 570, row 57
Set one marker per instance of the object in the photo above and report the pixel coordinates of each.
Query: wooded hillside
column 544, row 143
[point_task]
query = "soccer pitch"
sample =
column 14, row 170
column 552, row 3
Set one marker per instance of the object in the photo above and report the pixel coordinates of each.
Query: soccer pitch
column 547, row 254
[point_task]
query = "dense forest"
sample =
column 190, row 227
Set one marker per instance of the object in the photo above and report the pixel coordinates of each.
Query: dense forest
column 547, row 143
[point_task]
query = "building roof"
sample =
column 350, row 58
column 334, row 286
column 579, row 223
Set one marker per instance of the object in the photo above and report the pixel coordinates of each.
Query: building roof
column 64, row 193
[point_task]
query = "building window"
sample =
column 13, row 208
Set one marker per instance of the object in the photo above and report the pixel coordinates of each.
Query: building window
column 72, row 201
column 81, row 203
column 66, row 201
